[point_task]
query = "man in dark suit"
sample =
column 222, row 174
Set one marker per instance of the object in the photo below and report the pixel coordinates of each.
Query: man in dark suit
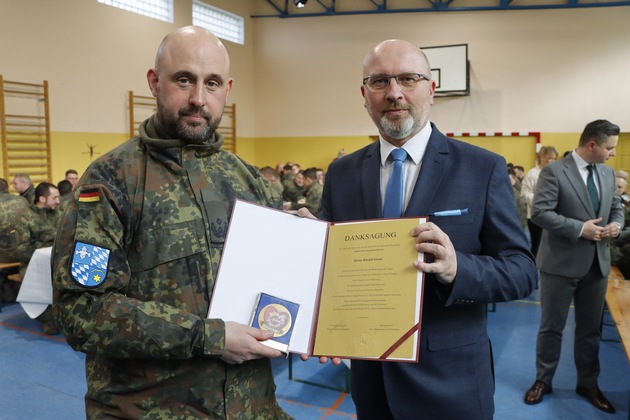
column 476, row 257
column 574, row 257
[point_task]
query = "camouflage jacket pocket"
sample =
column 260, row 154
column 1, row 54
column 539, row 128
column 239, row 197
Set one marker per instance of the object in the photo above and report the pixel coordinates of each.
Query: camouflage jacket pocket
column 162, row 245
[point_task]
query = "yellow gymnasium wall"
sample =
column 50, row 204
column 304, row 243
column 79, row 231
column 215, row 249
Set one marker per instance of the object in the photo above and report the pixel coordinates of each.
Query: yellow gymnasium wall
column 306, row 151
column 72, row 150
column 320, row 151
column 76, row 151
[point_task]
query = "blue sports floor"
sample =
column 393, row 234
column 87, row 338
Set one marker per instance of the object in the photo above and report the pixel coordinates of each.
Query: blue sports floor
column 42, row 378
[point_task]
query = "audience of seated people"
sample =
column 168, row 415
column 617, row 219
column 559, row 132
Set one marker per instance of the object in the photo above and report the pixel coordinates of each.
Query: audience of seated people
column 620, row 247
column 298, row 188
column 27, row 224
column 14, row 236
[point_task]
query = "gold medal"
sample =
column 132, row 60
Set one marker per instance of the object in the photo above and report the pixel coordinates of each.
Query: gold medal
column 275, row 318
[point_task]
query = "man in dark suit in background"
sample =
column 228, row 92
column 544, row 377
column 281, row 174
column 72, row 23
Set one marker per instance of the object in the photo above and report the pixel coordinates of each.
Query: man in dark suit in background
column 574, row 256
column 476, row 257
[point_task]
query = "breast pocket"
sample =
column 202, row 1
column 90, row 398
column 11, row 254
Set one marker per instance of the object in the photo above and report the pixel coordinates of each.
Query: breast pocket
column 162, row 245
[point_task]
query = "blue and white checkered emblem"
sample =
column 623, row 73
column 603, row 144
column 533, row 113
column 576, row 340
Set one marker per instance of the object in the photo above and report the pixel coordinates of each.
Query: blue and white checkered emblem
column 89, row 264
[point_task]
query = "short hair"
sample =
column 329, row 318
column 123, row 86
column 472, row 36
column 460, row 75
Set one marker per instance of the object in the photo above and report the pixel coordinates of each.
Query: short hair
column 519, row 167
column 71, row 171
column 621, row 174
column 64, row 186
column 23, row 177
column 43, row 190
column 599, row 131
column 547, row 150
column 4, row 185
column 268, row 170
column 310, row 173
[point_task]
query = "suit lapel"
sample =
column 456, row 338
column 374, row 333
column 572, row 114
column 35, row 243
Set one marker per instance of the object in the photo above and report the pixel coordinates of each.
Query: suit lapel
column 370, row 182
column 575, row 179
column 434, row 164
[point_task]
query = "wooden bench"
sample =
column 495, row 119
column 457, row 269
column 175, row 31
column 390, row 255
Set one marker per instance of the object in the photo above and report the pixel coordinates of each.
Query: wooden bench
column 7, row 265
column 618, row 301
column 15, row 277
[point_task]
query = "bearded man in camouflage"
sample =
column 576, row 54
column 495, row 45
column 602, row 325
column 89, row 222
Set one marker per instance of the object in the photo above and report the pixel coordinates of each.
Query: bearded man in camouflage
column 137, row 258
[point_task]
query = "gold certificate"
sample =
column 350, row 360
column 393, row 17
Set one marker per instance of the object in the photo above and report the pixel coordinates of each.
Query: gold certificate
column 371, row 293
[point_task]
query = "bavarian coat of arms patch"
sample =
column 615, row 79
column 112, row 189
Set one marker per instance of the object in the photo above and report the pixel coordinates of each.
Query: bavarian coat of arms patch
column 89, row 264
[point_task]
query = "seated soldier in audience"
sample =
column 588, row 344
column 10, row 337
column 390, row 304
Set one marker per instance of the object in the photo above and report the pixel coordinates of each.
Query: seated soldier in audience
column 44, row 215
column 520, row 202
column 73, row 177
column 295, row 193
column 623, row 176
column 273, row 178
column 620, row 247
column 24, row 187
column 65, row 188
column 280, row 169
column 14, row 234
column 321, row 176
column 312, row 195
column 43, row 224
column 288, row 174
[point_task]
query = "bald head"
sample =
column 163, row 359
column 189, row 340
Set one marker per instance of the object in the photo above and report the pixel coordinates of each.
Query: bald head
column 192, row 40
column 397, row 52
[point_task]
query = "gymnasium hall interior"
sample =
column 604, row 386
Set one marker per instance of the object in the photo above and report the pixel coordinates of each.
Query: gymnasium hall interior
column 512, row 77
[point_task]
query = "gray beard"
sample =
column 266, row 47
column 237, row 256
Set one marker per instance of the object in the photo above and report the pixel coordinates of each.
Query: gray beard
column 189, row 136
column 398, row 131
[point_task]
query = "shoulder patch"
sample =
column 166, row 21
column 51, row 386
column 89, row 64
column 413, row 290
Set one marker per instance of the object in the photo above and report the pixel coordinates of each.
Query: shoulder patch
column 89, row 264
column 90, row 195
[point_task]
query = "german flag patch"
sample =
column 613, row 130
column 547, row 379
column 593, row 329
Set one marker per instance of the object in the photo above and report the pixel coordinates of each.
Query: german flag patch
column 89, row 196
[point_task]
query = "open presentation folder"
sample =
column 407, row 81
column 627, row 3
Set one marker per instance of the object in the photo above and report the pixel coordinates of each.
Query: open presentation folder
column 357, row 292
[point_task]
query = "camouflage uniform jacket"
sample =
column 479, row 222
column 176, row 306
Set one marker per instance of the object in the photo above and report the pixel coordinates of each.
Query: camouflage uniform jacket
column 29, row 195
column 160, row 207
column 313, row 199
column 43, row 224
column 15, row 236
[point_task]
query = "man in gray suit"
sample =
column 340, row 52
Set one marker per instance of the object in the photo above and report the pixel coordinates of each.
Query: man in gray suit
column 576, row 205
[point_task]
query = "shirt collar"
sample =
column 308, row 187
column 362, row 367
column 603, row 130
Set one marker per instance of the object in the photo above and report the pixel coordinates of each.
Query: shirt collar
column 415, row 146
column 579, row 161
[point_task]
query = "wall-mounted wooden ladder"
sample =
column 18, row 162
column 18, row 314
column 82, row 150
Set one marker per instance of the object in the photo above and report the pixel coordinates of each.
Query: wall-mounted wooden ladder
column 25, row 130
column 142, row 107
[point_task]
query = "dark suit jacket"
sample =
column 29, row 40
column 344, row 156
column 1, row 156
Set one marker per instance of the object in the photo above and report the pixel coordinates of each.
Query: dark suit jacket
column 561, row 206
column 454, row 377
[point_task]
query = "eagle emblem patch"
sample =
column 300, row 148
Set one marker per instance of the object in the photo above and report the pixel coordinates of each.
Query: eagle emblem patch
column 89, row 264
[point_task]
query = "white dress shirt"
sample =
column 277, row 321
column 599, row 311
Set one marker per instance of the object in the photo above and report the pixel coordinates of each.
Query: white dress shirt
column 415, row 148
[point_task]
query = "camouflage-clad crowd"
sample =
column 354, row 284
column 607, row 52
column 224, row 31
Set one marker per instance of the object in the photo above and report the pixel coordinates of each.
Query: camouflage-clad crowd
column 299, row 188
column 28, row 221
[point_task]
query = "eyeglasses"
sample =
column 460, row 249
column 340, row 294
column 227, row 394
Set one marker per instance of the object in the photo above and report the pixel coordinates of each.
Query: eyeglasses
column 406, row 81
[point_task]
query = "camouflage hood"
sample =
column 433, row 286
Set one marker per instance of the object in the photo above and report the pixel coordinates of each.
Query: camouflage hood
column 155, row 138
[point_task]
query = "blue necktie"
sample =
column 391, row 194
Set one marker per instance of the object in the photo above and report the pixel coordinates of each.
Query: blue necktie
column 592, row 189
column 394, row 193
